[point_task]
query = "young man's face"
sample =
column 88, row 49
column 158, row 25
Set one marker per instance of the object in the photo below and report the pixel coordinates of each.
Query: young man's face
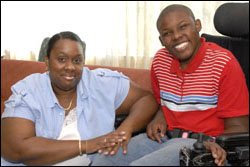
column 179, row 33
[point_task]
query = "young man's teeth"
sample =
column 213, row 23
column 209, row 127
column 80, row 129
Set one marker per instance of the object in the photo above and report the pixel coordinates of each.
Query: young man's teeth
column 181, row 45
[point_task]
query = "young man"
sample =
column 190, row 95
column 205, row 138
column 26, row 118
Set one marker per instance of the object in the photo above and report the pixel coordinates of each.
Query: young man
column 200, row 87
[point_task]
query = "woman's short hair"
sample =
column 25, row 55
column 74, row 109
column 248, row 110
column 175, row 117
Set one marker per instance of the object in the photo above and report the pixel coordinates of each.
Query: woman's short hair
column 64, row 35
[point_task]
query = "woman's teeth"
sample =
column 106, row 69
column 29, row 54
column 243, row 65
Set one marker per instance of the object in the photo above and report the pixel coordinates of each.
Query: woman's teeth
column 69, row 78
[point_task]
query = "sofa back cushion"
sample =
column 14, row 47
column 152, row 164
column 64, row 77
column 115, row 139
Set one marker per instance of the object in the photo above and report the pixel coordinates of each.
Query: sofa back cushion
column 15, row 70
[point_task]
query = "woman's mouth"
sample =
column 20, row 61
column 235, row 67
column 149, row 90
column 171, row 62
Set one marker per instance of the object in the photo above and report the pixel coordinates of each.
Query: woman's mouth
column 69, row 78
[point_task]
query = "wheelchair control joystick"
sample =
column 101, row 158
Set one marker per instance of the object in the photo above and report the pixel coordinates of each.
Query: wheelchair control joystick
column 198, row 145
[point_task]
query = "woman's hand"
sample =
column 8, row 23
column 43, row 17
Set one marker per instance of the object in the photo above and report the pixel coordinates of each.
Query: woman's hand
column 218, row 153
column 106, row 141
column 112, row 149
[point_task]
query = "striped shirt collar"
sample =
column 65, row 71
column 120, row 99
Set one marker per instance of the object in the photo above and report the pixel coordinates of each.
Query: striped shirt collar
column 194, row 64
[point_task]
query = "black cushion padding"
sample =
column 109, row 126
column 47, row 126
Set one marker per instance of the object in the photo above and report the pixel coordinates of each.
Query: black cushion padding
column 238, row 46
column 232, row 19
column 120, row 118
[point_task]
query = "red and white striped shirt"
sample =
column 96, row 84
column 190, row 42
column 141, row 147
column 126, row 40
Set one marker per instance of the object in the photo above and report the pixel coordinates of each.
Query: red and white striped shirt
column 212, row 87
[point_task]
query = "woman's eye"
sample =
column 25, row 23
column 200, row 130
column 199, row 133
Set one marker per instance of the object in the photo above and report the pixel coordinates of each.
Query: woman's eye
column 77, row 61
column 183, row 26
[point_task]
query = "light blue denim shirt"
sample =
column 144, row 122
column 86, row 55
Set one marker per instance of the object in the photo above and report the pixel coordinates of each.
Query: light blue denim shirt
column 99, row 93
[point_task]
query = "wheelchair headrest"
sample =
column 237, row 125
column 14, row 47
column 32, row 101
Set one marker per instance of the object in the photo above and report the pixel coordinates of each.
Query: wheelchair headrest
column 232, row 19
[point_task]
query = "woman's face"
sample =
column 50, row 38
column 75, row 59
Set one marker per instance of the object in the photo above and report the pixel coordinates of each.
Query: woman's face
column 65, row 64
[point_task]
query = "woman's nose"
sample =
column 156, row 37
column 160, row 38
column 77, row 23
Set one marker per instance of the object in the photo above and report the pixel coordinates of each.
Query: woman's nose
column 70, row 65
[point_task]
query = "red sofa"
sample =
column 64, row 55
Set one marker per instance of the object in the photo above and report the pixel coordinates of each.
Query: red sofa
column 15, row 70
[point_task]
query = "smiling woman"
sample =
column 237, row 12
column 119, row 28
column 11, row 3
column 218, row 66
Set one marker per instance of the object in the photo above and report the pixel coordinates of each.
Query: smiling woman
column 56, row 117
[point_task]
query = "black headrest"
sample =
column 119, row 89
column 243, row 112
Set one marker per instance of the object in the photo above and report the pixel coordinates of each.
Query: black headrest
column 232, row 19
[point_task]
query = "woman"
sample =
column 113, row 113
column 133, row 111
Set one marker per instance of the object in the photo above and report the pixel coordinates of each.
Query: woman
column 56, row 117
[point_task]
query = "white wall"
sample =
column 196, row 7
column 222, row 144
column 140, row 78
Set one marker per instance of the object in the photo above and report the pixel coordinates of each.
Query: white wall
column 25, row 24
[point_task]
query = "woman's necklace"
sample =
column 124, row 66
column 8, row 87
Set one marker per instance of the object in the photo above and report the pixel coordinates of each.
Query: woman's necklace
column 69, row 104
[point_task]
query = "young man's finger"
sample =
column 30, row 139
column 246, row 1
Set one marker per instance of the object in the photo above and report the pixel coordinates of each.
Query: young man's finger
column 156, row 134
column 150, row 133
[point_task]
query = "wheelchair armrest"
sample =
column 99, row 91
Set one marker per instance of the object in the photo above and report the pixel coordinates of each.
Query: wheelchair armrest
column 231, row 140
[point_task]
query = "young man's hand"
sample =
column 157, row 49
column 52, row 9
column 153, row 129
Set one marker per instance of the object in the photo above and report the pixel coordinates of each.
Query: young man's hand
column 218, row 153
column 157, row 127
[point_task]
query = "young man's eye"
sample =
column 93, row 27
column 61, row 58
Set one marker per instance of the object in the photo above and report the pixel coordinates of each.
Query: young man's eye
column 166, row 34
column 61, row 59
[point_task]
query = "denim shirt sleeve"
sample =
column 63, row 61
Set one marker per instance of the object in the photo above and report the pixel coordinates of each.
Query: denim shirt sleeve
column 116, row 83
column 18, row 104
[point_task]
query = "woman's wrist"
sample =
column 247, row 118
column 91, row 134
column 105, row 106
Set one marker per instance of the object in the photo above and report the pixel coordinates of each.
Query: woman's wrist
column 127, row 129
column 80, row 147
column 83, row 147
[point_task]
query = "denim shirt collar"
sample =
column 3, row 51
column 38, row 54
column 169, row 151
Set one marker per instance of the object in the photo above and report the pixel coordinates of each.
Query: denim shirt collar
column 81, row 89
column 82, row 85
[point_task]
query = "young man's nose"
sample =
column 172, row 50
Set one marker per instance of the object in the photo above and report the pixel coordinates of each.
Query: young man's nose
column 176, row 35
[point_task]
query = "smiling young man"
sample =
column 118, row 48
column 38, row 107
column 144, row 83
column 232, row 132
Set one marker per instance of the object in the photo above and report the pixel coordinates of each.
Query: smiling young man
column 193, row 78
column 179, row 33
column 200, row 88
